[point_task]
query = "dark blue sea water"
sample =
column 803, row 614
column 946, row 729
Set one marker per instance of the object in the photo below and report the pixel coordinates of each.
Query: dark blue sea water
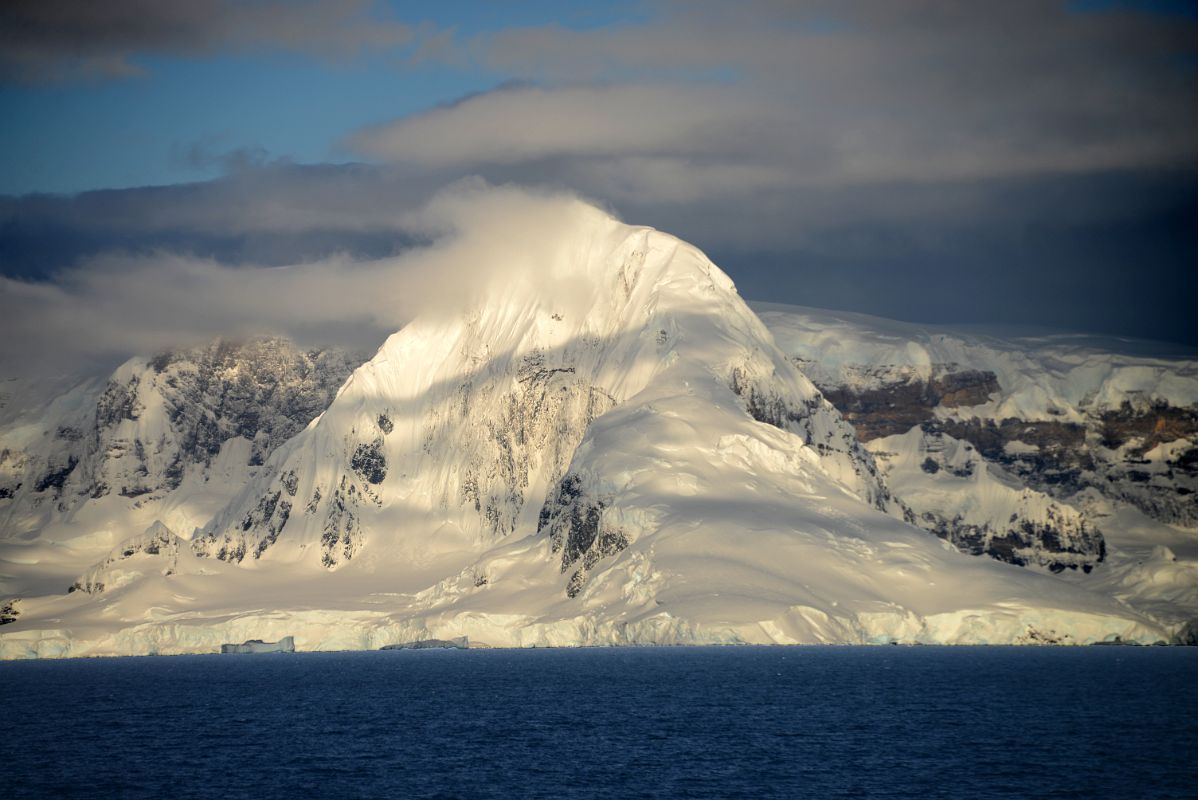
column 821, row 722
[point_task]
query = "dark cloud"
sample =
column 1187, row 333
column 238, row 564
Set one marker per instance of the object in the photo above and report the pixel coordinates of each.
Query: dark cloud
column 1109, row 253
column 1112, row 254
column 58, row 39
column 1024, row 162
column 269, row 215
column 209, row 155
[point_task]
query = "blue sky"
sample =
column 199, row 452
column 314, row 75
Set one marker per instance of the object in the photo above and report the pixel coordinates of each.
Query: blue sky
column 138, row 132
column 69, row 136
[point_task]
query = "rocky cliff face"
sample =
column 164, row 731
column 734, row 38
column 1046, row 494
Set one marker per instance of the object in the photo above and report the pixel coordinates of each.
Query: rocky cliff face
column 894, row 401
column 1144, row 454
column 158, row 547
column 956, row 494
column 158, row 423
column 1061, row 416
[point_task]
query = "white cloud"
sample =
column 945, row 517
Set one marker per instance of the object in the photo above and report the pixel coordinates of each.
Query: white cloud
column 114, row 306
column 527, row 123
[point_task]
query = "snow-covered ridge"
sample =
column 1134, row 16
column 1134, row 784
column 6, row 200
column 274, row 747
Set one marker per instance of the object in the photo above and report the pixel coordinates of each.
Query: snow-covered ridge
column 1048, row 377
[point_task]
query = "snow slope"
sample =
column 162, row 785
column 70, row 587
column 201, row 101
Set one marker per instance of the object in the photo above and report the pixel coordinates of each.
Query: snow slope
column 603, row 446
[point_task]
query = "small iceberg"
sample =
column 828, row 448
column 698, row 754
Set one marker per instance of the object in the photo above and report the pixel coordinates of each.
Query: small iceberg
column 284, row 645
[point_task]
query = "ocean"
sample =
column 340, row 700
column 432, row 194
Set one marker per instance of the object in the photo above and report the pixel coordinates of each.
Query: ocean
column 694, row 722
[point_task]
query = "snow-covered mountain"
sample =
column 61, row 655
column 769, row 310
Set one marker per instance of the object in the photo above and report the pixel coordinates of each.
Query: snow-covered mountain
column 605, row 445
column 456, row 433
column 169, row 438
column 1054, row 450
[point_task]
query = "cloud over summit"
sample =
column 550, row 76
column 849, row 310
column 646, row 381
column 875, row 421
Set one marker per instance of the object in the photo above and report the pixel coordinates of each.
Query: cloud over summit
column 115, row 305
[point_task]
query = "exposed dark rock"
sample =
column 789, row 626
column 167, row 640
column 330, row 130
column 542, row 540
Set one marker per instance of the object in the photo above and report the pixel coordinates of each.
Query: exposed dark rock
column 1149, row 427
column 264, row 390
column 266, row 508
column 575, row 584
column 1188, row 634
column 160, row 362
column 173, row 475
column 158, row 540
column 573, row 520
column 9, row 611
column 118, row 403
column 56, row 477
column 385, row 424
column 965, row 388
column 1040, row 532
column 341, row 536
column 898, row 407
column 1059, row 443
column 68, row 434
column 369, row 462
column 533, row 368
column 1105, row 450
column 458, row 643
column 274, row 527
column 763, row 404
